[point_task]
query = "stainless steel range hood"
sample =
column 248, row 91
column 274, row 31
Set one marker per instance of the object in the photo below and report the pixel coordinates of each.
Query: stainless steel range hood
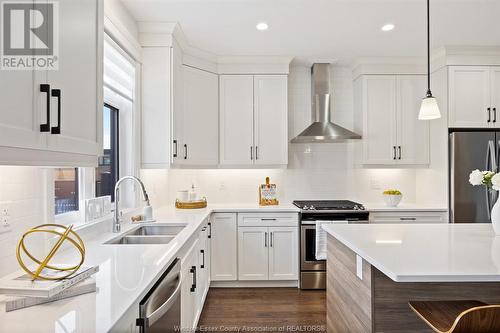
column 322, row 130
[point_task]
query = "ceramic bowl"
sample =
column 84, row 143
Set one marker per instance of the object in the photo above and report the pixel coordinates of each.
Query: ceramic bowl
column 392, row 200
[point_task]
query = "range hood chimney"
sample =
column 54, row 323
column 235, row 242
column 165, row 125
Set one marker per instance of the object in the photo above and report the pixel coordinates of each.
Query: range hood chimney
column 322, row 130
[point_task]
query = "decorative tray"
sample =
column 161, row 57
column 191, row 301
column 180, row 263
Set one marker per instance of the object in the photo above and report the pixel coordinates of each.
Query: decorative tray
column 191, row 204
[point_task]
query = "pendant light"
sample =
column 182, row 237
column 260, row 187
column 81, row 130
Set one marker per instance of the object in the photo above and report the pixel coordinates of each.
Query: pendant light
column 429, row 108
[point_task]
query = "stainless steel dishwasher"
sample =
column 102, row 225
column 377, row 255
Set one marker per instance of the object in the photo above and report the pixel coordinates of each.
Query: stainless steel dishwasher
column 160, row 310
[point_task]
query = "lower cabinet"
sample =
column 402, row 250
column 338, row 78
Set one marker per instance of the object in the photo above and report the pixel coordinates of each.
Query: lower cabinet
column 268, row 253
column 189, row 289
column 224, row 248
column 409, row 217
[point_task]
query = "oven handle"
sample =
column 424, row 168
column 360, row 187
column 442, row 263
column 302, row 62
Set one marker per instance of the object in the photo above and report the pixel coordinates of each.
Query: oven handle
column 310, row 223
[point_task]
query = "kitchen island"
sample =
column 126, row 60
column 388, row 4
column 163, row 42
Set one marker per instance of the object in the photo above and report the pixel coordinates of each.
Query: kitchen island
column 374, row 270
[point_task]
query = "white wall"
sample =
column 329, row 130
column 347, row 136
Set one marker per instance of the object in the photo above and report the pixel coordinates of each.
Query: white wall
column 22, row 190
column 320, row 171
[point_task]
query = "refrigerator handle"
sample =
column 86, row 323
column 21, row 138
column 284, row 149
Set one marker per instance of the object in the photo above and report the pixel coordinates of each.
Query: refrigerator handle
column 490, row 164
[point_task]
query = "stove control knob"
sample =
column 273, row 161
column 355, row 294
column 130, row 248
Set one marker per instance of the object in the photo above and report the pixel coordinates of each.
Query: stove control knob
column 305, row 207
column 312, row 207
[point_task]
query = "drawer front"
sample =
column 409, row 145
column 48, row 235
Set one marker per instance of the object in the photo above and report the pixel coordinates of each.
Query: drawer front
column 268, row 219
column 409, row 217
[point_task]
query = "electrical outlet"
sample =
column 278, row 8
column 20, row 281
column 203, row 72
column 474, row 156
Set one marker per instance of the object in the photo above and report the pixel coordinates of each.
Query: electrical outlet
column 5, row 223
column 222, row 186
column 375, row 184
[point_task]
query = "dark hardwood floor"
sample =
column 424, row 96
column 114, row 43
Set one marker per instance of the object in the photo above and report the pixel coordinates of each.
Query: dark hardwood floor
column 264, row 310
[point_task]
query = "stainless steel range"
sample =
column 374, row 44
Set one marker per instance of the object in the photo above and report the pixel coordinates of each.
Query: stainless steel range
column 312, row 271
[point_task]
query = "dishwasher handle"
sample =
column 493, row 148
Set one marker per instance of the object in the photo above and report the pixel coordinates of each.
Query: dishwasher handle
column 158, row 294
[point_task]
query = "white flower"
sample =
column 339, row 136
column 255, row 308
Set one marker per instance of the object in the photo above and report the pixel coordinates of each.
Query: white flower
column 495, row 182
column 476, row 177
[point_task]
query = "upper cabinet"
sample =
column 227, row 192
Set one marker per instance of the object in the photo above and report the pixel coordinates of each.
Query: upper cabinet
column 199, row 143
column 388, row 106
column 474, row 96
column 253, row 120
column 54, row 113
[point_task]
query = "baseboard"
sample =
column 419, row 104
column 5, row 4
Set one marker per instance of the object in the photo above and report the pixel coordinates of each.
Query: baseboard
column 254, row 284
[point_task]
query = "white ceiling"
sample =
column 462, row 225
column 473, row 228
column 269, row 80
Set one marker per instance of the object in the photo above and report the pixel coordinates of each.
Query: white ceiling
column 325, row 29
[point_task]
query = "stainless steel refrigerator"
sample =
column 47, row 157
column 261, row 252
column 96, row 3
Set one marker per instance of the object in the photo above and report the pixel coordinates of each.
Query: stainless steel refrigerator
column 471, row 150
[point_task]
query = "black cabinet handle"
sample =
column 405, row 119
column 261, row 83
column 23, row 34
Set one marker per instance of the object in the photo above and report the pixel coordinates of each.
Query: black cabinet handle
column 394, row 151
column 57, row 129
column 489, row 114
column 256, row 152
column 271, row 240
column 193, row 271
column 399, row 149
column 185, row 151
column 46, row 89
column 209, row 230
column 251, row 153
column 494, row 115
column 203, row 262
column 264, row 219
column 408, row 218
column 175, row 146
column 265, row 239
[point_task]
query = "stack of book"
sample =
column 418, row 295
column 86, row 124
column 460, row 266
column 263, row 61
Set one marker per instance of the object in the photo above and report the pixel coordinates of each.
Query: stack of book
column 22, row 292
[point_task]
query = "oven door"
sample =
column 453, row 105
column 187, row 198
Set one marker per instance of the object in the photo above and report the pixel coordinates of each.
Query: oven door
column 308, row 260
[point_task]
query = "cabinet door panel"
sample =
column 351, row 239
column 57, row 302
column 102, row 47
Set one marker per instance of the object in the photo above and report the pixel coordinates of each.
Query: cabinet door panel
column 189, row 296
column 379, row 132
column 223, row 247
column 201, row 121
column 20, row 119
column 413, row 134
column 236, row 119
column 271, row 119
column 495, row 93
column 177, row 90
column 283, row 253
column 253, row 253
column 469, row 96
column 79, row 77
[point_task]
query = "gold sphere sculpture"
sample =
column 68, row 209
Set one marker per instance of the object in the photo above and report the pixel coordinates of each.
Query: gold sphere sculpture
column 65, row 233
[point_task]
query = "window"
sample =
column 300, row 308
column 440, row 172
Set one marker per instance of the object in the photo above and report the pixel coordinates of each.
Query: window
column 66, row 190
column 121, row 128
column 107, row 171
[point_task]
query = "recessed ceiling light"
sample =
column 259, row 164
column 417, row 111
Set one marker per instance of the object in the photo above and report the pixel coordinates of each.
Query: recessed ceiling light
column 388, row 27
column 262, row 26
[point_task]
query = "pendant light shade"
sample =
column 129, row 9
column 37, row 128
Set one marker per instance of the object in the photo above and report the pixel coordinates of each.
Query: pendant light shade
column 429, row 108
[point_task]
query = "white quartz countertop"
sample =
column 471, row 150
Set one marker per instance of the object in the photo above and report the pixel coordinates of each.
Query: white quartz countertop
column 126, row 273
column 404, row 207
column 425, row 252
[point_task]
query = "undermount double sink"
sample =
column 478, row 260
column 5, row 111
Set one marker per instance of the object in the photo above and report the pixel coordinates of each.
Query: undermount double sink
column 149, row 234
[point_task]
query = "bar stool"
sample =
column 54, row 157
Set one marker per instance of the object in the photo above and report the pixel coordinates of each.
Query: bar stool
column 458, row 316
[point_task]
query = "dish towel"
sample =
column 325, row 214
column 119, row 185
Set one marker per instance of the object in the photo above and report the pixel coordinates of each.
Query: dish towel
column 321, row 238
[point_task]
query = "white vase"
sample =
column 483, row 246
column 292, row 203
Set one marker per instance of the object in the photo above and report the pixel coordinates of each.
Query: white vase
column 495, row 217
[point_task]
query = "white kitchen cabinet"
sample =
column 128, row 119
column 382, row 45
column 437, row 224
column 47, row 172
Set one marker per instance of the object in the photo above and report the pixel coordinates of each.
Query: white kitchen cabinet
column 253, row 243
column 392, row 133
column 224, row 249
column 78, row 82
column 379, row 119
column 495, row 94
column 189, row 289
column 236, row 119
column 268, row 246
column 270, row 119
column 469, row 96
column 283, row 253
column 253, row 120
column 203, row 264
column 409, row 216
column 412, row 134
column 78, row 77
column 200, row 120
